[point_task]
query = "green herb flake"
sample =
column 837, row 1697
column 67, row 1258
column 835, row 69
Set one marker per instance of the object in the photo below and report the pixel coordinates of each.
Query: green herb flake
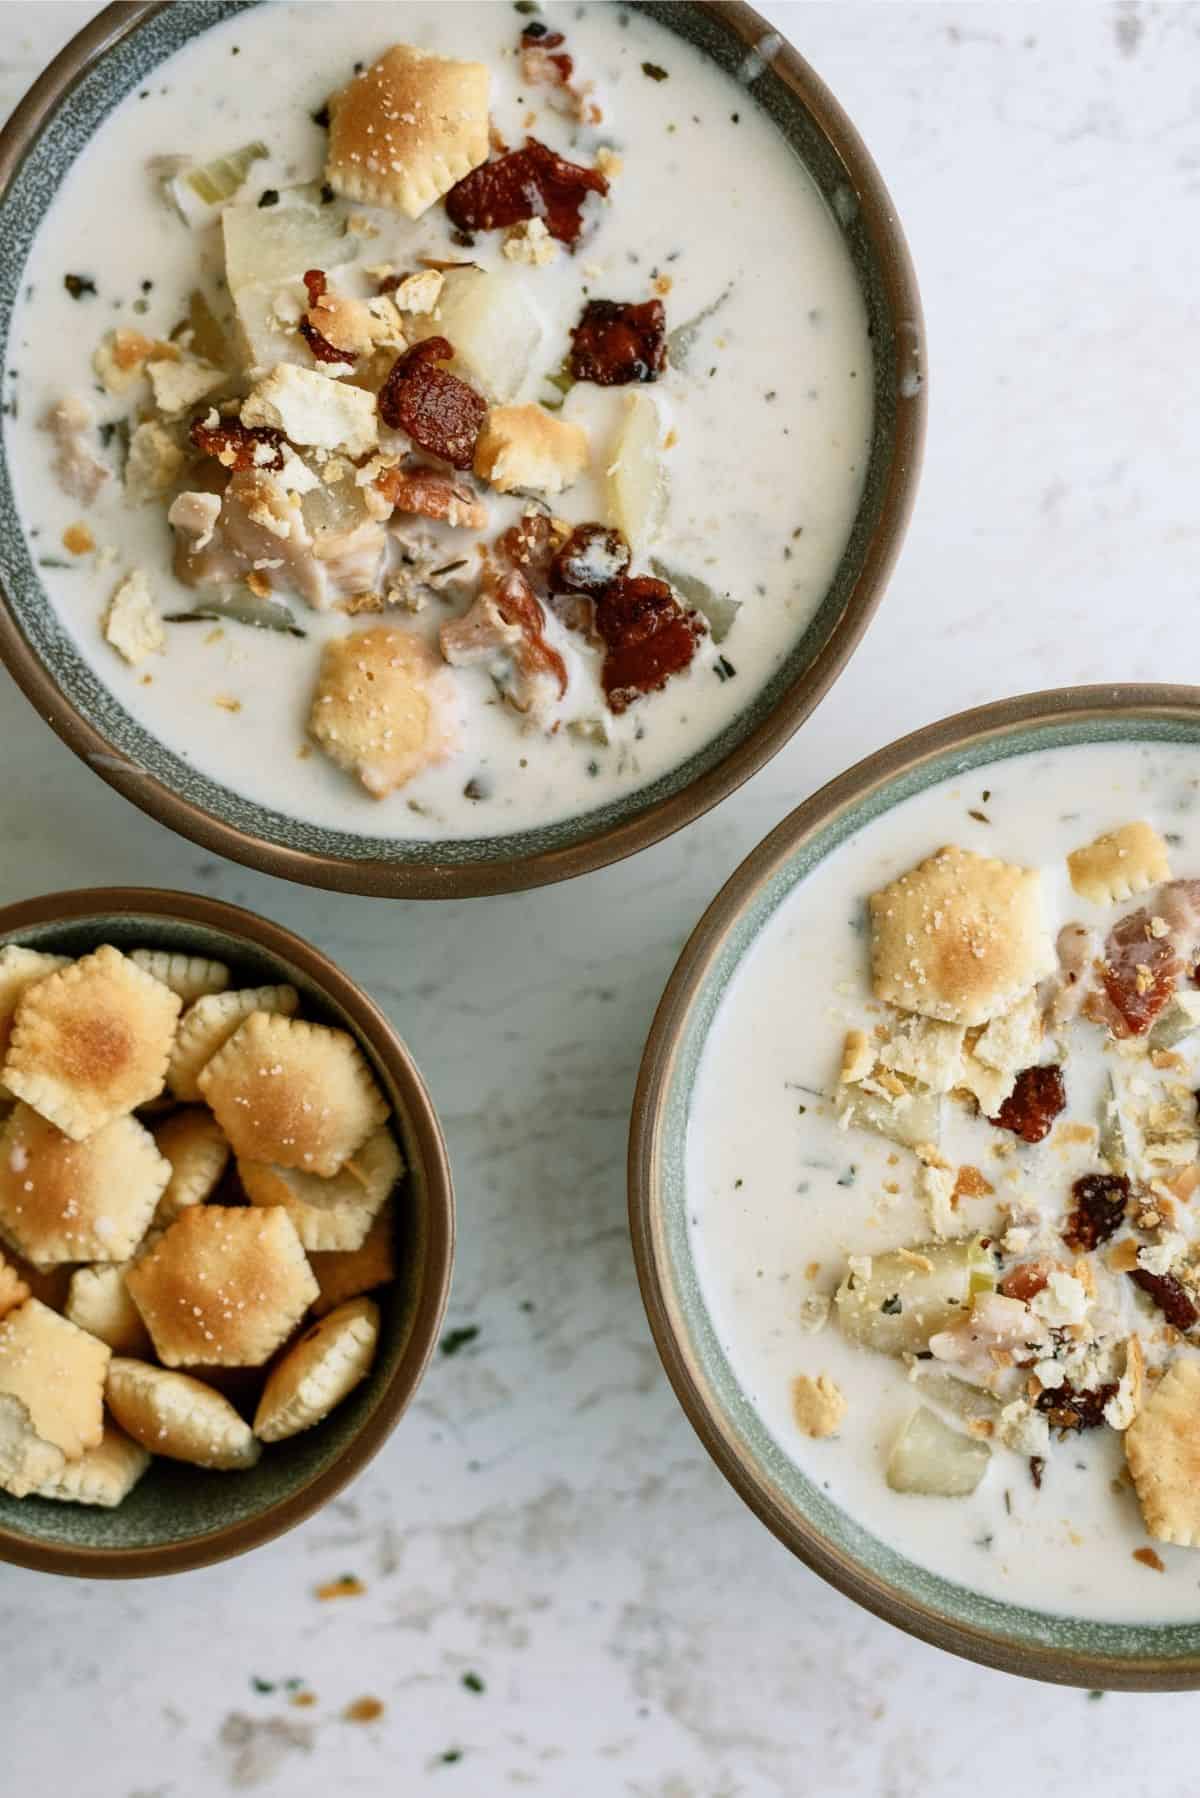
column 654, row 70
column 80, row 287
column 454, row 1340
column 525, row 7
column 262, row 1685
column 849, row 1177
column 473, row 1682
column 892, row 1307
column 1095, row 1697
column 448, row 1756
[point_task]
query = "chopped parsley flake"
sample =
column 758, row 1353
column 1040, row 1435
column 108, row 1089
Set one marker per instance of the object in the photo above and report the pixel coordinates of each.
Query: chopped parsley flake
column 454, row 1340
column 655, row 71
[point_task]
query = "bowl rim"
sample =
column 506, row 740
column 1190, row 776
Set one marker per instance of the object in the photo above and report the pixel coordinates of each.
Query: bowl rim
column 374, row 1029
column 995, row 722
column 660, row 819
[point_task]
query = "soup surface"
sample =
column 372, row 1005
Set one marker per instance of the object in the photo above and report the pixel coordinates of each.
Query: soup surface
column 792, row 1200
column 754, row 435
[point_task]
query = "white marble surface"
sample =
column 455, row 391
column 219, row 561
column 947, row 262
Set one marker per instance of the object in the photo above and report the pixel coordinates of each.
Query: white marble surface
column 545, row 1518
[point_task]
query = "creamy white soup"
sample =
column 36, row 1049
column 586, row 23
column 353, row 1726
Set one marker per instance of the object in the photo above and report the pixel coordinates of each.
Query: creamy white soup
column 942, row 1174
column 719, row 435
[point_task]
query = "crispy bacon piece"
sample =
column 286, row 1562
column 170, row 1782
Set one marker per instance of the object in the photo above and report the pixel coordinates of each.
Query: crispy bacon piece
column 1099, row 1211
column 592, row 558
column 543, row 58
column 1066, row 1409
column 532, row 545
column 324, row 351
column 648, row 637
column 518, row 604
column 1170, row 1297
column 1033, row 1104
column 1026, row 1281
column 432, row 494
column 616, row 343
column 440, row 413
column 237, row 446
column 525, row 184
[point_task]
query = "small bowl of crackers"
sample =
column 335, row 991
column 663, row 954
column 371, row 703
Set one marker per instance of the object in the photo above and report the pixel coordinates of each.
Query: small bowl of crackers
column 226, row 1231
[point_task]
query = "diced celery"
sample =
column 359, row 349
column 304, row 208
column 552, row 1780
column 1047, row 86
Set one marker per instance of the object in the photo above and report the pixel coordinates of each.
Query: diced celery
column 912, row 1294
column 1179, row 1020
column 932, row 1459
column 720, row 609
column 196, row 191
column 911, row 1120
column 971, row 1403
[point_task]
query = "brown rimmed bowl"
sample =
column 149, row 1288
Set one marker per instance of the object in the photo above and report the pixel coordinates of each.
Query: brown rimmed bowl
column 1040, row 1645
column 179, row 1517
column 52, row 126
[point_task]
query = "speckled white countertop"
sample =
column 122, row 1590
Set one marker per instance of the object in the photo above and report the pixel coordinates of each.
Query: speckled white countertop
column 544, row 1521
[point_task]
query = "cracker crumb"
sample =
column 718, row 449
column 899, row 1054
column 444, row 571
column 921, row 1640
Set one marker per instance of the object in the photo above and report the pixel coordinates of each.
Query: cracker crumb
column 818, row 1406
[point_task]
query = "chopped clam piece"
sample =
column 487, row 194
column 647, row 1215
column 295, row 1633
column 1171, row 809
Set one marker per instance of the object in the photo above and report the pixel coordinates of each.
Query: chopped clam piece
column 493, row 324
column 637, row 479
column 912, row 1294
column 930, row 1458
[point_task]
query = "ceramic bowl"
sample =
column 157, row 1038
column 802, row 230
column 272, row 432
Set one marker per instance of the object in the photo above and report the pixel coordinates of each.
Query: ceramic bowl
column 800, row 1512
column 52, row 126
column 179, row 1517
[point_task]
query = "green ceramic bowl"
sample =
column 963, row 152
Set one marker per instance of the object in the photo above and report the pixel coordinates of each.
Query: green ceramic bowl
column 180, row 1517
column 52, row 126
column 1039, row 1644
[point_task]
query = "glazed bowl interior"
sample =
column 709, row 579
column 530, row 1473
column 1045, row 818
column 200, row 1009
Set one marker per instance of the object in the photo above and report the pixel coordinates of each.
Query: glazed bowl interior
column 799, row 1511
column 52, row 128
column 180, row 1516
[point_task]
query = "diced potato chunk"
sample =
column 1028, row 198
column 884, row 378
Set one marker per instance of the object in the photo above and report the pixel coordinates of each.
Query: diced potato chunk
column 637, row 479
column 493, row 324
column 910, row 1119
column 931, row 1458
column 911, row 1294
column 267, row 251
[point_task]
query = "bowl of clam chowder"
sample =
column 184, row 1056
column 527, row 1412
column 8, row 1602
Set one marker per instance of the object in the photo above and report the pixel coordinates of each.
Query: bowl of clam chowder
column 445, row 449
column 913, row 1182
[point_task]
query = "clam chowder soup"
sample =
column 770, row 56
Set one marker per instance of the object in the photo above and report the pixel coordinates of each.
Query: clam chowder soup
column 943, row 1179
column 437, row 420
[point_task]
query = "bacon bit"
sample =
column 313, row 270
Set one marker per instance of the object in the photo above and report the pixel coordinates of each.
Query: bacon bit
column 649, row 637
column 1037, row 1467
column 364, row 1710
column 438, row 411
column 1168, row 1295
column 1138, row 973
column 532, row 545
column 303, row 1701
column 525, row 184
column 616, row 343
column 1033, row 1104
column 518, row 604
column 78, row 539
column 258, row 584
column 431, row 494
column 1068, row 1409
column 1026, row 1281
column 348, row 1586
column 590, row 561
column 970, row 1184
column 237, row 446
column 1100, row 1201
column 1149, row 1558
column 324, row 351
